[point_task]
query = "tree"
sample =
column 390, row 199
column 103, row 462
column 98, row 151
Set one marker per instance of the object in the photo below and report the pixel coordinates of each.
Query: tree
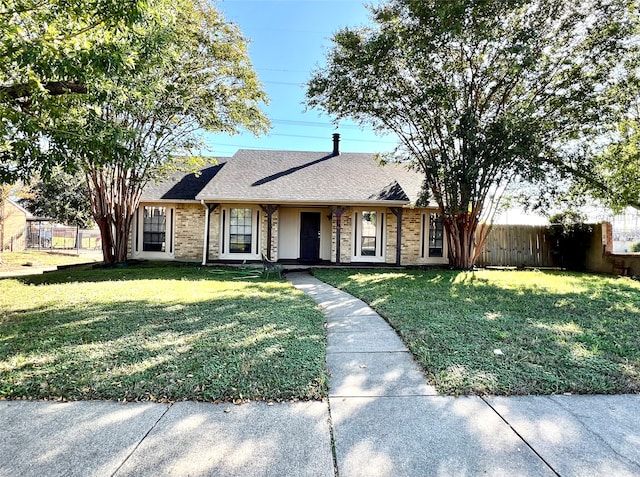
column 613, row 175
column 49, row 48
column 191, row 73
column 479, row 93
column 62, row 197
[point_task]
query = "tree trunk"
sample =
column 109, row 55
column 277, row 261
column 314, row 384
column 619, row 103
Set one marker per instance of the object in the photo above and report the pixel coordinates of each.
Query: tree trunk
column 461, row 240
column 106, row 237
column 122, row 226
column 115, row 194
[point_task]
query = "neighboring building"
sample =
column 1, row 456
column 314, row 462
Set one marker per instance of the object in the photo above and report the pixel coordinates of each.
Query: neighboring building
column 13, row 224
column 292, row 207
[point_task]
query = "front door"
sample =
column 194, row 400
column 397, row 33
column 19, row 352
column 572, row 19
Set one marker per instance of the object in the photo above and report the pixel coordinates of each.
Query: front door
column 310, row 236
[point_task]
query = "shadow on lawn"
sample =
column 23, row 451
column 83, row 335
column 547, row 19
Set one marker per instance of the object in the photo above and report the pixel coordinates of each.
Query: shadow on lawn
column 142, row 271
column 509, row 332
column 260, row 343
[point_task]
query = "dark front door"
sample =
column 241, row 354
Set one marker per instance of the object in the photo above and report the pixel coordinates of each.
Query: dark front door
column 310, row 236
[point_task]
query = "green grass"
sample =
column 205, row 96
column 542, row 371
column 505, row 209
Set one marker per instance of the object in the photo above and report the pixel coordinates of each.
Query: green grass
column 16, row 260
column 159, row 333
column 557, row 332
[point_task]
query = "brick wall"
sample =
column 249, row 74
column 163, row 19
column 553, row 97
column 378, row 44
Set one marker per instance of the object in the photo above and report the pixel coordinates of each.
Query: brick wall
column 346, row 230
column 391, row 236
column 411, row 236
column 274, row 234
column 189, row 232
column 13, row 223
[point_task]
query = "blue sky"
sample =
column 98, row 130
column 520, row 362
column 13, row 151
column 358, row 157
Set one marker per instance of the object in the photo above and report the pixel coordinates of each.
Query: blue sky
column 288, row 40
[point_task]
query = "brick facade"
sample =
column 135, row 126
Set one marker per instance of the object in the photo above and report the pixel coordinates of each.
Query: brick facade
column 189, row 221
column 411, row 236
column 189, row 232
column 13, row 223
column 214, row 234
column 346, row 230
column 274, row 234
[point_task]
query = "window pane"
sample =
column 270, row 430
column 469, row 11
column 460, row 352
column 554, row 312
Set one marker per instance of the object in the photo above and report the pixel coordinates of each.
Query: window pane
column 154, row 229
column 240, row 230
column 436, row 236
column 368, row 237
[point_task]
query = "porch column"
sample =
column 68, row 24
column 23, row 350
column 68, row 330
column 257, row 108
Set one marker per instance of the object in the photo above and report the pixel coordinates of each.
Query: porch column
column 207, row 225
column 337, row 211
column 269, row 210
column 397, row 211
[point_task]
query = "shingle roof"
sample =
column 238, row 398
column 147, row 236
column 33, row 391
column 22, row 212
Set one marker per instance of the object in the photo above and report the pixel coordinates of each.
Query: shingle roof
column 290, row 176
column 180, row 186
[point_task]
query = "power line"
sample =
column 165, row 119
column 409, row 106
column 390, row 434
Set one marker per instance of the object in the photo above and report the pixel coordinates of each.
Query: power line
column 324, row 138
column 295, row 122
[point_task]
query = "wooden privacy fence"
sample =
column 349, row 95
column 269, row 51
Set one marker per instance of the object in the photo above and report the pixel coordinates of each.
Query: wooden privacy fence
column 517, row 246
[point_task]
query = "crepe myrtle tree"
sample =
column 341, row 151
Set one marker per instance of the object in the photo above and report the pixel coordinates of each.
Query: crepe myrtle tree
column 479, row 93
column 190, row 73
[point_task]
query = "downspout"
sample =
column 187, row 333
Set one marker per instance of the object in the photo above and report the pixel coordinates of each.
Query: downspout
column 205, row 240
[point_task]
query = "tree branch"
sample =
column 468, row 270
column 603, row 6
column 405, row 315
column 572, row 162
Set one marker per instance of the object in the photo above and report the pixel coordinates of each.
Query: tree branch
column 54, row 88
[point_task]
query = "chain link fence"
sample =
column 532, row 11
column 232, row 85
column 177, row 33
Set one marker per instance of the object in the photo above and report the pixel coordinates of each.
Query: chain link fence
column 44, row 235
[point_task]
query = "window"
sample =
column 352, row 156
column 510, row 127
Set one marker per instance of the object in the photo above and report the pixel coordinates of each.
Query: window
column 154, row 229
column 153, row 232
column 240, row 230
column 368, row 227
column 432, row 236
column 369, row 234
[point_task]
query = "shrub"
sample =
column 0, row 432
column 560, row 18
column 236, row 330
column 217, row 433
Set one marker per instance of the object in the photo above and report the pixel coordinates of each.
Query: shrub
column 571, row 238
column 635, row 247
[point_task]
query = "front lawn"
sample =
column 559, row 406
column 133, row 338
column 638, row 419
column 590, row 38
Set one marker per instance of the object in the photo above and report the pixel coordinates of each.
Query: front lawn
column 19, row 260
column 159, row 333
column 510, row 332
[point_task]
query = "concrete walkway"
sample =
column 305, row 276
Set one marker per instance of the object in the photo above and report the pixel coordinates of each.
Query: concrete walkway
column 381, row 419
column 387, row 421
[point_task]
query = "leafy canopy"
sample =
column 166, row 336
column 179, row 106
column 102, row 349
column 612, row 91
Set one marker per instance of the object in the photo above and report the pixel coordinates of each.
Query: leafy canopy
column 49, row 48
column 62, row 197
column 191, row 74
column 479, row 93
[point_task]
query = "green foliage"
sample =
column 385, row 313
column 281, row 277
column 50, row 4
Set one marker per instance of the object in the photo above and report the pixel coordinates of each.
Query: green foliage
column 44, row 44
column 634, row 247
column 571, row 238
column 164, row 333
column 478, row 93
column 154, row 72
column 171, row 72
column 62, row 197
column 558, row 332
column 614, row 174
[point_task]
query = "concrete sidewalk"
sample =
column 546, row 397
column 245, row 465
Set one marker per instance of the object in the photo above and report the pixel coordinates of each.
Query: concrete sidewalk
column 381, row 417
column 387, row 421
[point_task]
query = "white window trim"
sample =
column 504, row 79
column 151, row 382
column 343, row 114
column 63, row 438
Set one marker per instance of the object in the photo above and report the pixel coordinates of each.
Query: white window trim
column 356, row 233
column 255, row 234
column 424, row 240
column 170, row 245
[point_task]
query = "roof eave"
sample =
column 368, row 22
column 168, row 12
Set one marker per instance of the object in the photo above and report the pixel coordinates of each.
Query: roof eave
column 351, row 202
column 168, row 201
